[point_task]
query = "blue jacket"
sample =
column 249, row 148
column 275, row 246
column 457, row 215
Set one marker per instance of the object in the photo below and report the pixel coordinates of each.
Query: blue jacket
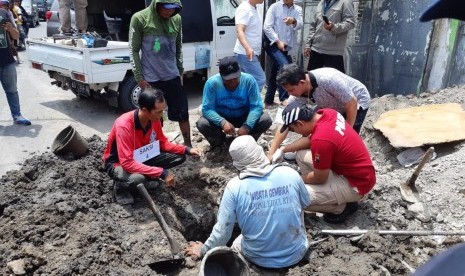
column 220, row 104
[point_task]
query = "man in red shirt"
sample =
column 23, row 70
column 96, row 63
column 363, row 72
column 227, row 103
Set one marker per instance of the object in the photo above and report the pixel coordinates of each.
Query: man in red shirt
column 137, row 150
column 337, row 169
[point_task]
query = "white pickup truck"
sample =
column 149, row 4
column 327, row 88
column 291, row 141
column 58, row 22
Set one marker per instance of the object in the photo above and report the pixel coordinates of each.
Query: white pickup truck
column 105, row 72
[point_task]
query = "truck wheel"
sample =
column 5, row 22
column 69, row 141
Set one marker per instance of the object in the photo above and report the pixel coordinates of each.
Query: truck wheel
column 128, row 95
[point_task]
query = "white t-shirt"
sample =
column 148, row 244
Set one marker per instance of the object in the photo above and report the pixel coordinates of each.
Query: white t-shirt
column 247, row 15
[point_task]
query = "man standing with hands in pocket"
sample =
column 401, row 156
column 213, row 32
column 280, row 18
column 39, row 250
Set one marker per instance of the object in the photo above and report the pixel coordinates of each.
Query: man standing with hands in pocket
column 282, row 19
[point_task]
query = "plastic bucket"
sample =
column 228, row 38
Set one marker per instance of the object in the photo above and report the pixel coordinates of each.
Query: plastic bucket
column 69, row 141
column 223, row 261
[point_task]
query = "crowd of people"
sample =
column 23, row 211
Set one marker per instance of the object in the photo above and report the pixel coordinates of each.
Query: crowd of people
column 268, row 198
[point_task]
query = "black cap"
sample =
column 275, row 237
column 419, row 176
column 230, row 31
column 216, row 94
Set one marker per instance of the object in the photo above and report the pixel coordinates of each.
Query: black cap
column 296, row 111
column 229, row 68
column 445, row 9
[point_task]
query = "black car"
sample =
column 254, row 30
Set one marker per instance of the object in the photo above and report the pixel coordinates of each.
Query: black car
column 41, row 8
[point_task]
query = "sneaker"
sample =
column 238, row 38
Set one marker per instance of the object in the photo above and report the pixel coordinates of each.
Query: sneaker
column 20, row 120
column 351, row 207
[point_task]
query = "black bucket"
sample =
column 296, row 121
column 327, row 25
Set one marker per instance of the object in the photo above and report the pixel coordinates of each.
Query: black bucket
column 221, row 261
column 69, row 141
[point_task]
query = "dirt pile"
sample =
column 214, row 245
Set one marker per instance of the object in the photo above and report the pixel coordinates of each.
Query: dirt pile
column 58, row 217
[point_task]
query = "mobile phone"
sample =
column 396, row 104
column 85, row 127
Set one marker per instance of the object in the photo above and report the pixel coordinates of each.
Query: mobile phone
column 325, row 19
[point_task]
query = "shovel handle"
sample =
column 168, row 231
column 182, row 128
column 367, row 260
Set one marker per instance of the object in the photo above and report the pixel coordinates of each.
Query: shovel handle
column 175, row 248
column 426, row 158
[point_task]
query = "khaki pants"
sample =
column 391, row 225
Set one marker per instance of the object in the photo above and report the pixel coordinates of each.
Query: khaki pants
column 79, row 11
column 330, row 197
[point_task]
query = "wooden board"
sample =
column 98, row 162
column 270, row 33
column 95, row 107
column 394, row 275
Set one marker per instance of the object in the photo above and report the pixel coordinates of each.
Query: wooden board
column 423, row 125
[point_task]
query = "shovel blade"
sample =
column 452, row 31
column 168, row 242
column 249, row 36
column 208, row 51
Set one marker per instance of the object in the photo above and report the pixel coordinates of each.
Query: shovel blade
column 409, row 193
column 167, row 266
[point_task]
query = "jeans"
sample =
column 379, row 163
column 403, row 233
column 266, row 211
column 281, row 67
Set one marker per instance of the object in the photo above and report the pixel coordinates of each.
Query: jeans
column 8, row 80
column 280, row 59
column 253, row 68
column 215, row 135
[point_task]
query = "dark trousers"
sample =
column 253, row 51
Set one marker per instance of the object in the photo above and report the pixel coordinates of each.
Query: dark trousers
column 279, row 58
column 164, row 160
column 215, row 135
column 176, row 98
column 361, row 114
column 318, row 60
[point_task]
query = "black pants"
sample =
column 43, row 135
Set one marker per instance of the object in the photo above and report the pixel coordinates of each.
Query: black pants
column 318, row 60
column 164, row 160
column 215, row 135
column 361, row 114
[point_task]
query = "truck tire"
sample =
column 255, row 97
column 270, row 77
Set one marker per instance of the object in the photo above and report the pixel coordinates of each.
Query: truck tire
column 128, row 96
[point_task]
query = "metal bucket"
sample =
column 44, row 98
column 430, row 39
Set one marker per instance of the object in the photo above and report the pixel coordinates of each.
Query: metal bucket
column 223, row 261
column 69, row 141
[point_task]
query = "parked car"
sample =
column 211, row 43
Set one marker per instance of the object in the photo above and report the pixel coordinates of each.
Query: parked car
column 33, row 15
column 42, row 8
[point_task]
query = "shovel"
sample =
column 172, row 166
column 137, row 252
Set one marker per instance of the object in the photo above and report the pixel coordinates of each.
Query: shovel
column 408, row 191
column 169, row 265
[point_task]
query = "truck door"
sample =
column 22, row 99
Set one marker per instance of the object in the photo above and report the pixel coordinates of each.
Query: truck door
column 225, row 30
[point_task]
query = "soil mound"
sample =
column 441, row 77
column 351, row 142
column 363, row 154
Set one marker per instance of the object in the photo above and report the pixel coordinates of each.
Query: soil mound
column 58, row 216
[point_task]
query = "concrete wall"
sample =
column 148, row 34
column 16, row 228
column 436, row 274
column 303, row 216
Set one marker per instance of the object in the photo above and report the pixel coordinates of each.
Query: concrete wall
column 391, row 51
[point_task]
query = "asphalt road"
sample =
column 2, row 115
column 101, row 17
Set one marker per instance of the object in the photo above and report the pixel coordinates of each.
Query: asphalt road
column 50, row 110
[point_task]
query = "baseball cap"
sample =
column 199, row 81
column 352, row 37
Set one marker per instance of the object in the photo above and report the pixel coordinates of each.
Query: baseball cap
column 444, row 9
column 229, row 68
column 296, row 111
column 171, row 6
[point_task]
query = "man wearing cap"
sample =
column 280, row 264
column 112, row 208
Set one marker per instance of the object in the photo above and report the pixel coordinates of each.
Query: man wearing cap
column 282, row 20
column 267, row 201
column 231, row 99
column 340, row 171
column 8, row 76
column 156, row 33
column 249, row 28
column 327, row 88
column 138, row 151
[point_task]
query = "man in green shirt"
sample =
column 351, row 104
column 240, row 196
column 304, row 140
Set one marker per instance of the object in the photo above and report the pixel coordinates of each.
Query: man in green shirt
column 155, row 50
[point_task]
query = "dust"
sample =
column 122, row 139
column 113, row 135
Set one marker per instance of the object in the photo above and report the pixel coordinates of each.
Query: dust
column 58, row 217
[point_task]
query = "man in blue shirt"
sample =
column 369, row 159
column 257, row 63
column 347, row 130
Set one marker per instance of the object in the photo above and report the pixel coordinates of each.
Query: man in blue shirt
column 231, row 100
column 282, row 20
column 268, row 202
